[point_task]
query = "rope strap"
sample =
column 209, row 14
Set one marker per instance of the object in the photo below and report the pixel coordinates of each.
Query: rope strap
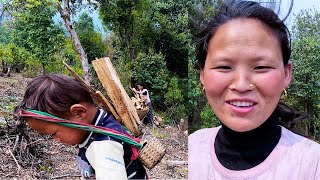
column 87, row 127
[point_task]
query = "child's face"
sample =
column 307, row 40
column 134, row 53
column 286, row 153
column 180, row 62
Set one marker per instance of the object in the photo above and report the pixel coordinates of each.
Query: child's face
column 59, row 133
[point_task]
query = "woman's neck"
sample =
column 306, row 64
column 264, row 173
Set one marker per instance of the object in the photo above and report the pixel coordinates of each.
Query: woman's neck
column 244, row 150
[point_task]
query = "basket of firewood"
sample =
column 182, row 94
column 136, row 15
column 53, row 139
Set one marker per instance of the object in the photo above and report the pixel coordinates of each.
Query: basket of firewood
column 140, row 106
column 142, row 113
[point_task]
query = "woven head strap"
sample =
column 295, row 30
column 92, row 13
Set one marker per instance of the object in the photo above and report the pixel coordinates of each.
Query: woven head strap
column 84, row 126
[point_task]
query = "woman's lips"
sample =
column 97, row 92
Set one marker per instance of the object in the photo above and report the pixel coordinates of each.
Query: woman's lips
column 241, row 108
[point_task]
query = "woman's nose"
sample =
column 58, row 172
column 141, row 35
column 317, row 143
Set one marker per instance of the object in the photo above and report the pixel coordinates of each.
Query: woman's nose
column 241, row 82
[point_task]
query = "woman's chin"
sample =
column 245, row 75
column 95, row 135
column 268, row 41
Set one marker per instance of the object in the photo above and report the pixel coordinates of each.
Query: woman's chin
column 242, row 126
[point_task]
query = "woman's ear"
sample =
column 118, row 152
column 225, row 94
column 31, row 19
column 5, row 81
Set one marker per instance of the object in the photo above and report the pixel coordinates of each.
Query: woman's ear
column 201, row 77
column 288, row 74
column 78, row 111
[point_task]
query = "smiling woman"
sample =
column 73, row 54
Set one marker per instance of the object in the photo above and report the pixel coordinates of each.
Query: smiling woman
column 244, row 67
column 237, row 58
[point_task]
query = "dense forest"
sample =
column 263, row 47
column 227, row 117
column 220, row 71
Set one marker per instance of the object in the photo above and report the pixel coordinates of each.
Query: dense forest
column 147, row 40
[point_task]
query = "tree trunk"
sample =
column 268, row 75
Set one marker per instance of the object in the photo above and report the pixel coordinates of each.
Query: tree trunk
column 5, row 69
column 132, row 48
column 65, row 14
column 7, row 74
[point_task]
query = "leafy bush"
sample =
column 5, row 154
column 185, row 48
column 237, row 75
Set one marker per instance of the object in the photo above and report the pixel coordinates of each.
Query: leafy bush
column 174, row 101
column 151, row 69
column 124, row 70
column 208, row 118
column 19, row 59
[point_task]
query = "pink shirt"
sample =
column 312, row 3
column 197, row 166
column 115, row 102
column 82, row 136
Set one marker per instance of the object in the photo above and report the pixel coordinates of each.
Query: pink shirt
column 294, row 158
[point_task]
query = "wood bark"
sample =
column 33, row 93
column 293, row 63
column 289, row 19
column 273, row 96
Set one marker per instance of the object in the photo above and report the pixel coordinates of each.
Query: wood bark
column 120, row 99
column 7, row 74
column 65, row 14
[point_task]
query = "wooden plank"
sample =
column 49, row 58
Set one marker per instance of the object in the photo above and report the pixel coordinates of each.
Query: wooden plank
column 104, row 102
column 120, row 99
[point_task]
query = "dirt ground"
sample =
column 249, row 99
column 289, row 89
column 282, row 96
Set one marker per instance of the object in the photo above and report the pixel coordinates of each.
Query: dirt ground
column 25, row 154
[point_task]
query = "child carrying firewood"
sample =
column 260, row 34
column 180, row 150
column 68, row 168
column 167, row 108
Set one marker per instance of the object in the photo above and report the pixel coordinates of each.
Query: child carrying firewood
column 64, row 97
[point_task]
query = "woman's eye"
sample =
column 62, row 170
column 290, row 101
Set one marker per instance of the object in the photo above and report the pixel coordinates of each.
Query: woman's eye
column 223, row 67
column 262, row 67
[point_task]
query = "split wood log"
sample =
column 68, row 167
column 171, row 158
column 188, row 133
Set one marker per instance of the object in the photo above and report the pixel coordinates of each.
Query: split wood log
column 111, row 83
column 97, row 96
column 173, row 163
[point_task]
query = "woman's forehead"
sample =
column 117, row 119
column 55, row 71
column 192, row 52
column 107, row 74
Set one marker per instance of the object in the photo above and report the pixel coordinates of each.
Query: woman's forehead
column 242, row 31
column 248, row 39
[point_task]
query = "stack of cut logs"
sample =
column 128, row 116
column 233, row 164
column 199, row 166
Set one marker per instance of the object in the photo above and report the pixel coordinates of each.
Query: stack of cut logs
column 140, row 105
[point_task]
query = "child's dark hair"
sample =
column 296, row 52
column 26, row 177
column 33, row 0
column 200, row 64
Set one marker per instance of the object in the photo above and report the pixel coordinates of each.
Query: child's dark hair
column 53, row 93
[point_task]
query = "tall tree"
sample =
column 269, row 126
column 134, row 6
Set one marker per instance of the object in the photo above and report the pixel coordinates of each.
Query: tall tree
column 305, row 88
column 35, row 31
column 172, row 37
column 120, row 16
column 65, row 8
column 90, row 39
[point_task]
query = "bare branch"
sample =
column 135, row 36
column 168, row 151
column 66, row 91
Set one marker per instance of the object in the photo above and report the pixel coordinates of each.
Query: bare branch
column 289, row 11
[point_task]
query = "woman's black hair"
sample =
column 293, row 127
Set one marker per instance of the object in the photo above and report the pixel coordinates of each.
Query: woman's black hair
column 140, row 83
column 231, row 10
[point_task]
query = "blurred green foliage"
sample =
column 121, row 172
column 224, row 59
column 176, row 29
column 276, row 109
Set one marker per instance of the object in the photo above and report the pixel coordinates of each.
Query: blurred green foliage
column 304, row 91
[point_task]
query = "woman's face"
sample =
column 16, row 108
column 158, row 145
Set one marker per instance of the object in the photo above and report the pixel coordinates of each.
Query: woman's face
column 140, row 87
column 244, row 52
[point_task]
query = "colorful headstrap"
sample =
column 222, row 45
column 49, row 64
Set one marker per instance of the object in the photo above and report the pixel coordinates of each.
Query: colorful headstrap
column 87, row 127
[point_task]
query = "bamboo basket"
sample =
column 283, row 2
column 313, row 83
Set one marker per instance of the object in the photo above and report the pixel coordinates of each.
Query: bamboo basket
column 151, row 153
column 142, row 113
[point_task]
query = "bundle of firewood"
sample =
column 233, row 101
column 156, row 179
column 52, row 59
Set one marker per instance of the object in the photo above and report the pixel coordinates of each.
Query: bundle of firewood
column 121, row 105
column 138, row 103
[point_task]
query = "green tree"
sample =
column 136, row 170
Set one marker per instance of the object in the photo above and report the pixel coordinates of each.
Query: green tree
column 208, row 118
column 151, row 69
column 143, row 30
column 65, row 8
column 174, row 101
column 15, row 58
column 91, row 40
column 36, row 32
column 123, row 17
column 150, row 24
column 6, row 33
column 171, row 35
column 304, row 92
